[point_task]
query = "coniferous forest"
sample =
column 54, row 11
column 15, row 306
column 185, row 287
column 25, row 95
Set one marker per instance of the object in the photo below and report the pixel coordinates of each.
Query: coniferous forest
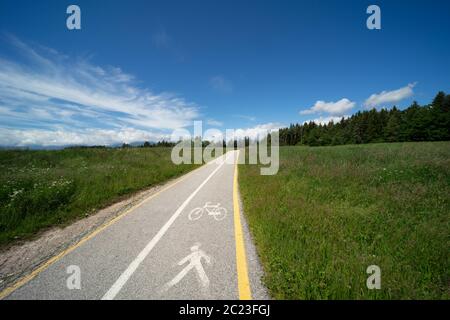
column 416, row 123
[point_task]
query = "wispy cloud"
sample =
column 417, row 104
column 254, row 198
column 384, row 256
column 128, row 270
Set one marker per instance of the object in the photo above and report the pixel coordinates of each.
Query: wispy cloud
column 337, row 108
column 213, row 122
column 219, row 83
column 389, row 97
column 161, row 39
column 165, row 42
column 48, row 91
column 62, row 137
column 245, row 117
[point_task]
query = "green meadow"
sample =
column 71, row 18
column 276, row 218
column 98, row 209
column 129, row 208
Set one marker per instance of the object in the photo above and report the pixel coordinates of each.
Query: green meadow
column 328, row 214
column 331, row 212
column 39, row 189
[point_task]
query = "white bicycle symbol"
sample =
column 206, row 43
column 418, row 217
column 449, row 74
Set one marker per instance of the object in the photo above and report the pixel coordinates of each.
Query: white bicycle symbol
column 215, row 210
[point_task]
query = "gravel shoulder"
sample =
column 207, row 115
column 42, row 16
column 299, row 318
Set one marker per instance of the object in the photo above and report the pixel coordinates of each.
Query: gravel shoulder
column 22, row 257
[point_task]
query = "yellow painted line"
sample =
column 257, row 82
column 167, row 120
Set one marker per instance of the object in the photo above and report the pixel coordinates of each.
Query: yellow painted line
column 7, row 291
column 241, row 258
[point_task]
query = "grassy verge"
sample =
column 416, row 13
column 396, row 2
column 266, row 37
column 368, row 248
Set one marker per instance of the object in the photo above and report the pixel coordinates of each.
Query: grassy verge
column 331, row 212
column 39, row 189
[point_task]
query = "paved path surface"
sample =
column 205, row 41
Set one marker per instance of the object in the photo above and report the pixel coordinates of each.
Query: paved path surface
column 163, row 249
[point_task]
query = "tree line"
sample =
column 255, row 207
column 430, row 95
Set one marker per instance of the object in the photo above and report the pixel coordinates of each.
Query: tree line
column 416, row 123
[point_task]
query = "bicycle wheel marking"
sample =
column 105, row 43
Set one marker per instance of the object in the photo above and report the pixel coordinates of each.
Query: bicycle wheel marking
column 215, row 210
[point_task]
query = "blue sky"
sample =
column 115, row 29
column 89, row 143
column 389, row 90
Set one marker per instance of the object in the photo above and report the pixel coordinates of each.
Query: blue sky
column 139, row 69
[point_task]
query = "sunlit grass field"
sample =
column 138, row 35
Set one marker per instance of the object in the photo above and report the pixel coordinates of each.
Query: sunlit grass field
column 39, row 189
column 331, row 212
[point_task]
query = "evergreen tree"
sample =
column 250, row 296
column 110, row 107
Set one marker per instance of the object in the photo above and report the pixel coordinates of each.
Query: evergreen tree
column 416, row 123
column 393, row 127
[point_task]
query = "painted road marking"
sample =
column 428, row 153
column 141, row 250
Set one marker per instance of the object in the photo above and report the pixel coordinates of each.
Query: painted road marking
column 215, row 210
column 117, row 286
column 195, row 261
column 21, row 282
column 241, row 259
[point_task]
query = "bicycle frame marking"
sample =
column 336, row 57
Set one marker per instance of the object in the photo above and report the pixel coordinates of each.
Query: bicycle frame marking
column 215, row 210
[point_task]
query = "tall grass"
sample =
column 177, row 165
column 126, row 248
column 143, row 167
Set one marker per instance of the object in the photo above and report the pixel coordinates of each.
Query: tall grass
column 331, row 212
column 41, row 188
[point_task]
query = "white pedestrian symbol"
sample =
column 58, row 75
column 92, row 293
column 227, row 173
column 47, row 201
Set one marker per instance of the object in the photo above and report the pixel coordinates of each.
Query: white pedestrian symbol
column 195, row 261
column 215, row 210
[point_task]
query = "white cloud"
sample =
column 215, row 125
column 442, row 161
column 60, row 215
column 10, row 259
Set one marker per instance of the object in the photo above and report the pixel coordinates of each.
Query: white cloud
column 221, row 84
column 326, row 120
column 333, row 108
column 257, row 132
column 214, row 123
column 390, row 97
column 48, row 91
column 245, row 117
column 63, row 137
